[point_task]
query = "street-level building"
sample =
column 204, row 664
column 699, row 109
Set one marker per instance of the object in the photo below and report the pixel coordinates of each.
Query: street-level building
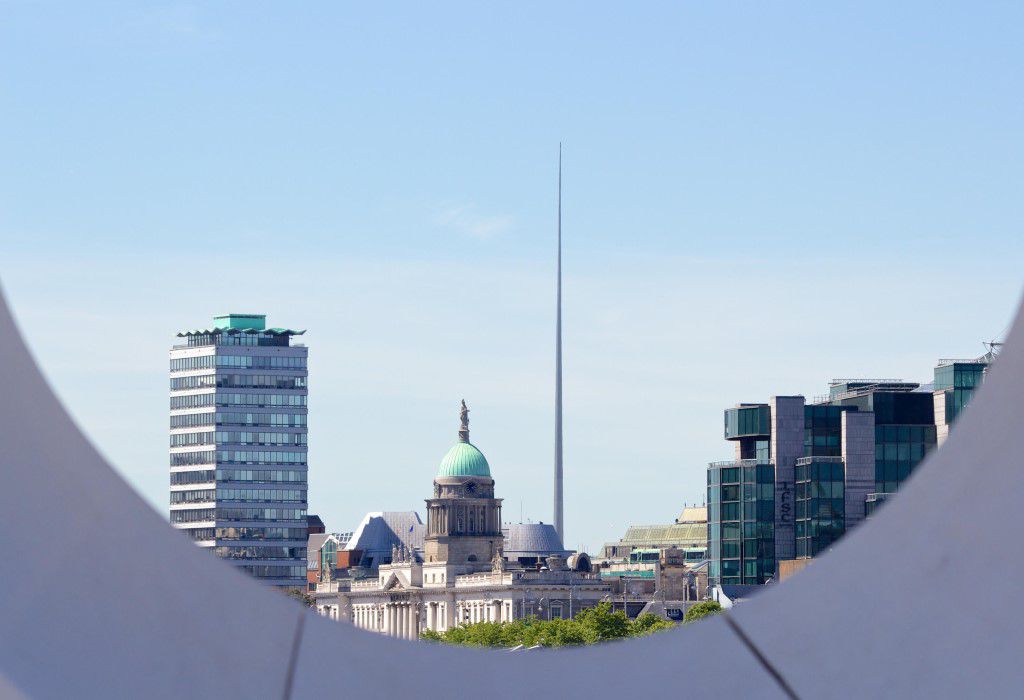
column 661, row 581
column 238, row 467
column 322, row 559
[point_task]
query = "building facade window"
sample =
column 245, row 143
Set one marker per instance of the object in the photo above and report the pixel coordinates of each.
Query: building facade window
column 820, row 504
column 741, row 522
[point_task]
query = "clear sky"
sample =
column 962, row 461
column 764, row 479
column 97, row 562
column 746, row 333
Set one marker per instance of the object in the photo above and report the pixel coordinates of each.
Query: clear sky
column 758, row 197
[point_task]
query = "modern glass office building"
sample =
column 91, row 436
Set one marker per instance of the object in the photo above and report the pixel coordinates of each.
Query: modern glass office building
column 741, row 521
column 820, row 504
column 904, row 427
column 238, row 442
column 955, row 382
column 827, row 465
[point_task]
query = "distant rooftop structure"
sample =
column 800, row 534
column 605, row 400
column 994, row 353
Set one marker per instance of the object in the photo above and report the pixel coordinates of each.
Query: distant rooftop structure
column 693, row 514
column 690, row 535
column 677, row 534
column 848, row 388
column 380, row 531
column 254, row 322
column 532, row 540
column 315, row 525
column 233, row 324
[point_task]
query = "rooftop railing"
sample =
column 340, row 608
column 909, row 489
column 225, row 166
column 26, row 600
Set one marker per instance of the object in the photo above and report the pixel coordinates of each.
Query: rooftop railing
column 734, row 463
column 945, row 362
column 804, row 461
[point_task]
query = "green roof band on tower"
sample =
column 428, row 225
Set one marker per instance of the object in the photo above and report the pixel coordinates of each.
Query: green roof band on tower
column 464, row 459
column 254, row 322
column 249, row 324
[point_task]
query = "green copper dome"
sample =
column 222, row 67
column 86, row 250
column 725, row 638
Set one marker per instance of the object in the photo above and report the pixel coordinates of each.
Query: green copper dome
column 464, row 459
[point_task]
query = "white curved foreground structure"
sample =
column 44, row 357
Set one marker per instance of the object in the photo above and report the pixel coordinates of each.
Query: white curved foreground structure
column 922, row 601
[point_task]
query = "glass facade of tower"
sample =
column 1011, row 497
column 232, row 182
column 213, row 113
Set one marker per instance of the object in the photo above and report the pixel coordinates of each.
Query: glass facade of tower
column 823, row 430
column 820, row 504
column 958, row 380
column 904, row 431
column 238, row 445
column 741, row 522
column 896, row 425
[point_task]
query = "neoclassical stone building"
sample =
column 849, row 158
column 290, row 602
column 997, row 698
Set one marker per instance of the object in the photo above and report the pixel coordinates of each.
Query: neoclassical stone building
column 462, row 574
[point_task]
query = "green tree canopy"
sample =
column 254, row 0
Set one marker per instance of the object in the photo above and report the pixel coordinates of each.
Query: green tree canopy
column 701, row 610
column 590, row 626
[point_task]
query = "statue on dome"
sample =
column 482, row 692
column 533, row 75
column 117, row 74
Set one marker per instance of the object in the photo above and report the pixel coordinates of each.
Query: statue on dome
column 464, row 419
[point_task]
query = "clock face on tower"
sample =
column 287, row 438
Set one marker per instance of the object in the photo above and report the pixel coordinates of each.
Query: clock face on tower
column 471, row 488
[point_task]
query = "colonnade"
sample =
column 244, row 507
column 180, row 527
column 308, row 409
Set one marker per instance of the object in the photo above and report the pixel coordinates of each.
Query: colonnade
column 484, row 611
column 395, row 619
column 407, row 619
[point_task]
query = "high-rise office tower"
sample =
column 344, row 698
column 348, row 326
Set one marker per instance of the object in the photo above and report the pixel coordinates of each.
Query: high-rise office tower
column 238, row 445
column 805, row 474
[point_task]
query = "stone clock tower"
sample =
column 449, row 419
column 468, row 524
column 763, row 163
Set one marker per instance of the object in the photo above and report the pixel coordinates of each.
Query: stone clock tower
column 463, row 517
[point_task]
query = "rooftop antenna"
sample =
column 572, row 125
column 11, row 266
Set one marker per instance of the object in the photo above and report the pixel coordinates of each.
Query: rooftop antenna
column 558, row 365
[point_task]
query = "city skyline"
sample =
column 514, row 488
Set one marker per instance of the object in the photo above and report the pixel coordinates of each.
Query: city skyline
column 367, row 498
column 758, row 201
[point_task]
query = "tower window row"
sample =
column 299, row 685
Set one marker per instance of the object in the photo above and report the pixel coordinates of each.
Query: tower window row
column 273, row 420
column 184, row 364
column 236, row 437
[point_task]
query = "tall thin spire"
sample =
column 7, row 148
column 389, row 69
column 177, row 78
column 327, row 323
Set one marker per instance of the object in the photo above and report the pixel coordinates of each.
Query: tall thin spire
column 463, row 423
column 558, row 365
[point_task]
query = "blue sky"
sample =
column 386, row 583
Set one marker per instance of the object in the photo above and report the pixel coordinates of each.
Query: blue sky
column 757, row 198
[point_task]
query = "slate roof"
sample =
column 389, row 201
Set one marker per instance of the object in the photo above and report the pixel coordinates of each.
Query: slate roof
column 532, row 539
column 380, row 531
